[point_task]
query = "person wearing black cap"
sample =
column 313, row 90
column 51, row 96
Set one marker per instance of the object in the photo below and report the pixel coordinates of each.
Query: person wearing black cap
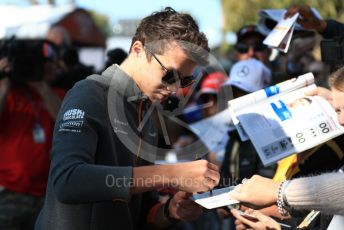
column 250, row 45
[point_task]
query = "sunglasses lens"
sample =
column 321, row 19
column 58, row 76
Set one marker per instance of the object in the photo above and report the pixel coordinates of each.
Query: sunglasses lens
column 169, row 77
column 259, row 47
column 172, row 76
column 242, row 47
column 186, row 81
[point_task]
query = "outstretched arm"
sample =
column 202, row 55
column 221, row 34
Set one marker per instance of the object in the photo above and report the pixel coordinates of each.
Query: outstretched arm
column 328, row 28
column 307, row 18
column 323, row 193
column 195, row 176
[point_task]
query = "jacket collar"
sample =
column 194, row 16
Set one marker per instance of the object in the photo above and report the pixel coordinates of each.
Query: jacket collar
column 124, row 84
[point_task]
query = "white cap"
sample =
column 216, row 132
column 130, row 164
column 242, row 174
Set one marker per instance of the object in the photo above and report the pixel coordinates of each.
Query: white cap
column 249, row 75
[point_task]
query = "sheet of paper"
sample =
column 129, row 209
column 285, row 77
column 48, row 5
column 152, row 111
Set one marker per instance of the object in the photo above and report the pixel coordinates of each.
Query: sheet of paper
column 236, row 105
column 274, row 15
column 284, row 45
column 215, row 199
column 289, row 123
column 283, row 31
column 213, row 131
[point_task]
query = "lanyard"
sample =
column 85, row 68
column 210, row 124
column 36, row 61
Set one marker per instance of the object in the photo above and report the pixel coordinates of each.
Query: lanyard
column 38, row 133
column 140, row 111
column 35, row 107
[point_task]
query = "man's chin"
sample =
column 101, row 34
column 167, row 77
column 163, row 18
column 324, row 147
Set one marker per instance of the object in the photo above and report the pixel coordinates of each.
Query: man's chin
column 159, row 98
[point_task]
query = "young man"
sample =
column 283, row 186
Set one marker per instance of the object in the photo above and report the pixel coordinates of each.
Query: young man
column 100, row 176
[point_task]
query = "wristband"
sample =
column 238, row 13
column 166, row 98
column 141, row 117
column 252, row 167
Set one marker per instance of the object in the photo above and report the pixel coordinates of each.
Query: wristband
column 281, row 204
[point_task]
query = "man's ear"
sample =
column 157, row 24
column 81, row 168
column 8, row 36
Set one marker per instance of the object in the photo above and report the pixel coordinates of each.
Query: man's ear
column 137, row 48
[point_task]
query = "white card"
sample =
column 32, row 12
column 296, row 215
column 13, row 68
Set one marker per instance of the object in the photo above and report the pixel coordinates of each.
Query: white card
column 216, row 198
column 281, row 34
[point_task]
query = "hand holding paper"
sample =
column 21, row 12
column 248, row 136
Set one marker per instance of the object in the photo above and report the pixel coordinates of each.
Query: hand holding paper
column 255, row 219
column 215, row 199
column 254, row 191
column 183, row 208
column 309, row 17
column 281, row 34
column 285, row 121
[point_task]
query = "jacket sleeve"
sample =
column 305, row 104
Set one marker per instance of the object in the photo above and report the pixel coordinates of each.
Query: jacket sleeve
column 74, row 175
column 323, row 193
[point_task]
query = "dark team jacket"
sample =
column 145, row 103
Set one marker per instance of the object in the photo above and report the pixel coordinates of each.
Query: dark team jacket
column 96, row 138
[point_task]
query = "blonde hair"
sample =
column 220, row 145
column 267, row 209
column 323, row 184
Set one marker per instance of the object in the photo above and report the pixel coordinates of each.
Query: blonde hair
column 336, row 80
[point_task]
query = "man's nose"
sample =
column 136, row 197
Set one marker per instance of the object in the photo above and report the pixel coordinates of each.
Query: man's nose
column 172, row 87
column 250, row 51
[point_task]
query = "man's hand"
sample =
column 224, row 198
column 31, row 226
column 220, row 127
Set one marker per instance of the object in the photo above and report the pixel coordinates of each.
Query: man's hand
column 260, row 222
column 181, row 207
column 322, row 92
column 257, row 191
column 307, row 18
column 195, row 176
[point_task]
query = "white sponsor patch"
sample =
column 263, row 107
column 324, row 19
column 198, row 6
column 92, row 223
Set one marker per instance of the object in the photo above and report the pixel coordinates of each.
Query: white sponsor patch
column 73, row 114
column 72, row 120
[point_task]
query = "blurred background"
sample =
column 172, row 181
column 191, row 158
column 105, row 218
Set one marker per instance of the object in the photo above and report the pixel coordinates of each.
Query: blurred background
column 98, row 26
column 46, row 46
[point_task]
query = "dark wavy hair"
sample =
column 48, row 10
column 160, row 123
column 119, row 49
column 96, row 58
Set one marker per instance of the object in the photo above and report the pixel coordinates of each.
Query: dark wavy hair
column 164, row 27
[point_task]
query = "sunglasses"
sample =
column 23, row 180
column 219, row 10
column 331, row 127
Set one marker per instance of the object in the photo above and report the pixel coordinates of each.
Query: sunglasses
column 244, row 47
column 172, row 75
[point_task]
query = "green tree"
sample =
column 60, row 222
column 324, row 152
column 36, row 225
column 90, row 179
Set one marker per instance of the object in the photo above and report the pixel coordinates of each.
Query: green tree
column 240, row 13
column 102, row 21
